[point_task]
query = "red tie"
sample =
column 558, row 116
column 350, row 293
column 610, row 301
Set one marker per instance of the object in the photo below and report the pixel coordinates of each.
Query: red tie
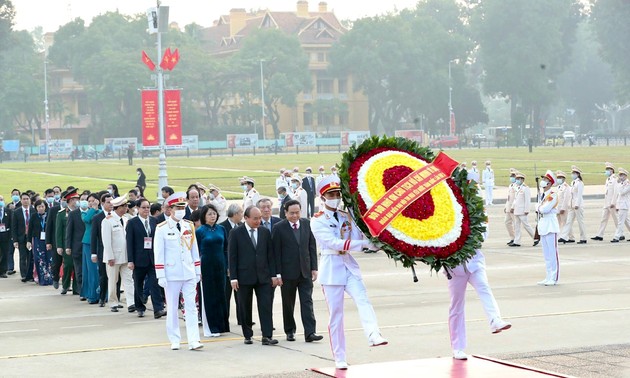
column 26, row 211
column 295, row 226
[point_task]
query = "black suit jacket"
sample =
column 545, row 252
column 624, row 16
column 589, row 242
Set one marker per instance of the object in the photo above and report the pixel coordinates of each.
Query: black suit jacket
column 6, row 220
column 294, row 259
column 50, row 224
column 249, row 265
column 74, row 232
column 273, row 220
column 160, row 218
column 35, row 226
column 18, row 226
column 96, row 241
column 306, row 184
column 281, row 211
column 135, row 242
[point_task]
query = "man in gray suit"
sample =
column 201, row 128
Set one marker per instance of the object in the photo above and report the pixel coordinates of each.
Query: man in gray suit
column 296, row 264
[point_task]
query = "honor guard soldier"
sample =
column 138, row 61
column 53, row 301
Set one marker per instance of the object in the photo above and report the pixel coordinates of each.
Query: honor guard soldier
column 520, row 209
column 608, row 210
column 548, row 228
column 216, row 199
column 250, row 195
column 509, row 217
column 564, row 198
column 622, row 203
column 488, row 182
column 339, row 272
column 576, row 209
column 178, row 269
column 473, row 173
column 299, row 194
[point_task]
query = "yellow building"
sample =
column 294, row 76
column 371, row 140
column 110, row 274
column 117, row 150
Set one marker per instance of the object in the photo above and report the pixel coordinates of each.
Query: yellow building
column 317, row 32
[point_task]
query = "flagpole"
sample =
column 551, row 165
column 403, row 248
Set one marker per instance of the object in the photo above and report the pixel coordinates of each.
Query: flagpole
column 162, row 173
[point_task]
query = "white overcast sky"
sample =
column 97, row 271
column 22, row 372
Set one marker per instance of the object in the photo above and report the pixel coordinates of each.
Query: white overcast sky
column 50, row 14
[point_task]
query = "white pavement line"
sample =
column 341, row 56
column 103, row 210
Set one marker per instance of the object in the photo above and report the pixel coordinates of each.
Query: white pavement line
column 594, row 290
column 21, row 330
column 389, row 305
column 84, row 326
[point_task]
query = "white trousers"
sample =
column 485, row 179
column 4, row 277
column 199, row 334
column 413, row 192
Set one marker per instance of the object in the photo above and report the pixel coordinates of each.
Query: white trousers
column 456, row 312
column 607, row 212
column 518, row 220
column 550, row 253
column 112, row 281
column 334, row 299
column 509, row 224
column 188, row 289
column 622, row 220
column 567, row 231
column 562, row 220
column 489, row 194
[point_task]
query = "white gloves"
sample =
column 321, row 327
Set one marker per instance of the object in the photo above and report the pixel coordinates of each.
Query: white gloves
column 162, row 282
column 198, row 278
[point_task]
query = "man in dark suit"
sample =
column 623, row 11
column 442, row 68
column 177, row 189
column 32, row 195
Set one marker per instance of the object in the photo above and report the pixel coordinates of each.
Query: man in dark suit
column 235, row 216
column 96, row 245
column 75, row 228
column 5, row 237
column 308, row 184
column 253, row 269
column 19, row 229
column 284, row 198
column 296, row 264
column 140, row 231
column 266, row 220
column 57, row 260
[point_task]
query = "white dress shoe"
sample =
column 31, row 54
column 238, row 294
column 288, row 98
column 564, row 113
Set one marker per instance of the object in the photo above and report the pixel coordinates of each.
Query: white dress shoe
column 499, row 325
column 376, row 340
column 343, row 365
column 215, row 334
column 175, row 346
column 459, row 355
column 550, row 283
column 542, row 283
column 195, row 345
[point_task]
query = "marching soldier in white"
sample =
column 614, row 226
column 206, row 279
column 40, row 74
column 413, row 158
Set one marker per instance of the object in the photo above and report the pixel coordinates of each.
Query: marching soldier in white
column 564, row 198
column 509, row 216
column 320, row 175
column 299, row 194
column 576, row 209
column 281, row 181
column 473, row 172
column 520, row 209
column 488, row 182
column 115, row 254
column 548, row 228
column 250, row 195
column 339, row 272
column 178, row 269
column 609, row 198
column 216, row 199
column 623, row 204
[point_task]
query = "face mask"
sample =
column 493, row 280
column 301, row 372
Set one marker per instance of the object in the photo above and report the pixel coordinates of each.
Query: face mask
column 574, row 176
column 294, row 185
column 244, row 187
column 512, row 180
column 332, row 203
column 15, row 198
column 179, row 214
column 487, row 166
column 543, row 184
column 64, row 204
column 518, row 182
column 608, row 173
column 560, row 181
column 1, row 204
column 83, row 204
column 211, row 196
column 138, row 174
column 57, row 197
column 50, row 199
column 110, row 191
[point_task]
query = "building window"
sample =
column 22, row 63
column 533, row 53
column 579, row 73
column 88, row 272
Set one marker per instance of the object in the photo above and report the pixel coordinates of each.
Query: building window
column 344, row 118
column 308, row 115
column 343, row 86
column 324, row 119
column 321, row 57
column 324, row 87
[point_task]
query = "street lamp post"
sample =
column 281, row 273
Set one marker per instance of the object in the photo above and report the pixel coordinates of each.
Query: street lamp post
column 450, row 97
column 262, row 99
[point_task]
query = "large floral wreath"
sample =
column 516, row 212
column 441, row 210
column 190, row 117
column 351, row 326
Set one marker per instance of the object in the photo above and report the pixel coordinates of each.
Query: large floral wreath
column 442, row 228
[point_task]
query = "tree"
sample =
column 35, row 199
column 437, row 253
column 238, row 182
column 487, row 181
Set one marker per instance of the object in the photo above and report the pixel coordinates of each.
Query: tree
column 523, row 47
column 610, row 18
column 285, row 70
column 7, row 14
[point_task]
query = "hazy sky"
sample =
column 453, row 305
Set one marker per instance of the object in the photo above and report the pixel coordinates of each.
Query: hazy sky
column 50, row 14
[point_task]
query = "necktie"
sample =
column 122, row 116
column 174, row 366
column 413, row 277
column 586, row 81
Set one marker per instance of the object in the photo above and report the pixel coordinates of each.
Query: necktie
column 251, row 235
column 27, row 218
column 121, row 222
column 179, row 228
column 336, row 217
column 295, row 226
column 268, row 225
column 146, row 227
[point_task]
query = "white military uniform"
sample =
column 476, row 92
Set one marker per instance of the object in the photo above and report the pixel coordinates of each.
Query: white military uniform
column 548, row 229
column 220, row 203
column 250, row 198
column 473, row 174
column 623, row 204
column 339, row 272
column 300, row 195
column 564, row 201
column 177, row 259
column 281, row 181
column 488, row 183
column 608, row 210
column 577, row 200
column 114, row 237
column 509, row 217
column 521, row 205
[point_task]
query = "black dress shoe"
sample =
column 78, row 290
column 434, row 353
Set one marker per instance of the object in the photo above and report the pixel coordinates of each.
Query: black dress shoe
column 582, row 242
column 615, row 241
column 64, row 291
column 561, row 240
column 620, row 238
column 510, row 242
column 101, row 303
column 290, row 337
column 30, row 280
column 313, row 337
column 132, row 308
column 159, row 314
column 114, row 309
column 597, row 238
column 269, row 341
column 56, row 284
column 23, row 280
column 10, row 272
column 570, row 241
column 93, row 302
column 82, row 299
column 140, row 314
column 536, row 242
column 248, row 341
column 3, row 276
column 515, row 245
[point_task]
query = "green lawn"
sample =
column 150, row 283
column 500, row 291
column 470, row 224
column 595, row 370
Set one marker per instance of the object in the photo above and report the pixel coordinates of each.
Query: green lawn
column 224, row 171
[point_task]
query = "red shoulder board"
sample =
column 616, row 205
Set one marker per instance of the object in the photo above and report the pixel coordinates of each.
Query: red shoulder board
column 318, row 214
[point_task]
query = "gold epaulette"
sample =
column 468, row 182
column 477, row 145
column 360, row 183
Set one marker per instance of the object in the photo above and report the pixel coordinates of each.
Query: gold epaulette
column 318, row 214
column 162, row 224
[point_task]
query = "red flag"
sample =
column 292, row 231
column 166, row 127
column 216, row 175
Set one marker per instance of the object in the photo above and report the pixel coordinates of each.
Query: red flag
column 174, row 59
column 453, row 127
column 146, row 60
column 166, row 59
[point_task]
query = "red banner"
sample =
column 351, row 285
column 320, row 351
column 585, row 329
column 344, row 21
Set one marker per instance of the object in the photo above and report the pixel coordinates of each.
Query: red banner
column 288, row 140
column 406, row 191
column 150, row 123
column 453, row 126
column 172, row 117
